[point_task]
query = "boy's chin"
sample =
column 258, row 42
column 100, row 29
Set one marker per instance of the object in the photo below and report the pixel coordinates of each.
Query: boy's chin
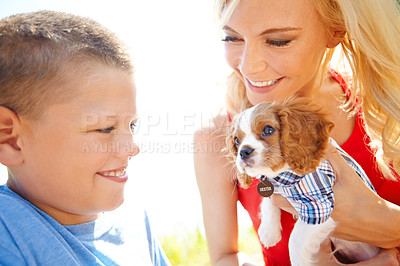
column 115, row 205
column 111, row 204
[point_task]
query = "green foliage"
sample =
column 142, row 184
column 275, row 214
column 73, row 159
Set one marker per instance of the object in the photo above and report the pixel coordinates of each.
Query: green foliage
column 190, row 247
column 249, row 243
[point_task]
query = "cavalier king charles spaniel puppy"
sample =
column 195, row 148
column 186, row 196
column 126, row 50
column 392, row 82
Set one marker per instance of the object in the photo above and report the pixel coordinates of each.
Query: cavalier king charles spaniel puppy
column 283, row 145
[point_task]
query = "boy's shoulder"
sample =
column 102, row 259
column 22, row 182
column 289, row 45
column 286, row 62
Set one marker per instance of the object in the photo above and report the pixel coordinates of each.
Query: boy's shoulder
column 12, row 205
column 17, row 216
column 26, row 231
column 18, row 223
column 9, row 201
column 9, row 252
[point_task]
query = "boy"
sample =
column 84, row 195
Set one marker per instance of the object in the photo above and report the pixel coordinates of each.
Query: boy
column 67, row 112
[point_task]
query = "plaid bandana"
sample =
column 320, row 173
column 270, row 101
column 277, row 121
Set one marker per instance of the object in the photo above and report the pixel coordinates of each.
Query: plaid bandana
column 311, row 195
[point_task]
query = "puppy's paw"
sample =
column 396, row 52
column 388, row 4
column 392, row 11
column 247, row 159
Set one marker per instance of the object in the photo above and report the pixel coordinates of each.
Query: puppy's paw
column 269, row 235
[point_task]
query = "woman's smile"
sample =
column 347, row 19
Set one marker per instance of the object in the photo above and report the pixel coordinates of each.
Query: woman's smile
column 262, row 86
column 263, row 83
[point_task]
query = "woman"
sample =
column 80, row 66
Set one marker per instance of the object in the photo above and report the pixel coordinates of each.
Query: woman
column 282, row 48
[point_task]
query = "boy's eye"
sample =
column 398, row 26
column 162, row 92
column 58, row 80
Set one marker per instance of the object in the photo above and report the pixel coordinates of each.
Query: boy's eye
column 279, row 43
column 134, row 127
column 230, row 39
column 105, row 130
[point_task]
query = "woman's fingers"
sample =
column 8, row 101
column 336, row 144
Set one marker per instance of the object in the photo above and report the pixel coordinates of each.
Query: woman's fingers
column 281, row 202
column 326, row 256
column 355, row 201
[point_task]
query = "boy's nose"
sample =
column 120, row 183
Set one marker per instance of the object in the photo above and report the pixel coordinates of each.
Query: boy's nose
column 134, row 150
column 128, row 147
column 252, row 61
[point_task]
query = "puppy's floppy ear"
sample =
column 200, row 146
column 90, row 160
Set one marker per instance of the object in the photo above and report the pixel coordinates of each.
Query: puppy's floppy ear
column 304, row 134
column 230, row 141
column 244, row 180
column 10, row 152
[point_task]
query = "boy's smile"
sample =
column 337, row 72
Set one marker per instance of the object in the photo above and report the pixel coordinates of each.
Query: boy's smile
column 76, row 154
column 118, row 175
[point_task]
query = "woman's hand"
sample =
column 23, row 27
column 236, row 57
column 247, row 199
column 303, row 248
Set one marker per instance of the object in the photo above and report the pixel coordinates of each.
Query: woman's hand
column 385, row 257
column 326, row 256
column 281, row 202
column 361, row 215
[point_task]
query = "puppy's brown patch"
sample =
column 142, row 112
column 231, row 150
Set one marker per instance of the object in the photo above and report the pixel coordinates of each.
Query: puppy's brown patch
column 265, row 114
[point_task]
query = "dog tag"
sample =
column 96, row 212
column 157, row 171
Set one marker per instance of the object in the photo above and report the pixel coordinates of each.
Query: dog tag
column 265, row 188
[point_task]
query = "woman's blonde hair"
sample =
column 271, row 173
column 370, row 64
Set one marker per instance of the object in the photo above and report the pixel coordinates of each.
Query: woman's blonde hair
column 371, row 47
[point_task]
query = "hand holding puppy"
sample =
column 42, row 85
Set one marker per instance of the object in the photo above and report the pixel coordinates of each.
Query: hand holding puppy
column 354, row 201
column 284, row 145
column 377, row 219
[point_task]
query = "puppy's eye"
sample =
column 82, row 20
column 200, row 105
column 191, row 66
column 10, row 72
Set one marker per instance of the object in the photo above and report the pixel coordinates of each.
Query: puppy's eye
column 237, row 142
column 267, row 131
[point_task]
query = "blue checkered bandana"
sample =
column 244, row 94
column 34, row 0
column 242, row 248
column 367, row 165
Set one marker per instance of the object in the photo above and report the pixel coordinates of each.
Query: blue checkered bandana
column 312, row 195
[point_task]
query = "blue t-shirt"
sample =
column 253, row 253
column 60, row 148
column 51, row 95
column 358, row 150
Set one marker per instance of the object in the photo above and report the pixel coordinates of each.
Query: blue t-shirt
column 29, row 236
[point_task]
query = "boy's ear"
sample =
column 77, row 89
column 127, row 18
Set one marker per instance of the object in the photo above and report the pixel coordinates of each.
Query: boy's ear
column 10, row 152
column 335, row 39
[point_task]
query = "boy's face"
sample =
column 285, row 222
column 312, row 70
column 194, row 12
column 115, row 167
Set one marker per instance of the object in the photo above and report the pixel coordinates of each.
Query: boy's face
column 75, row 156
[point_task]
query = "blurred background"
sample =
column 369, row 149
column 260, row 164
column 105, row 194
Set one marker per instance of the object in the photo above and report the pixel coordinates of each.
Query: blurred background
column 180, row 66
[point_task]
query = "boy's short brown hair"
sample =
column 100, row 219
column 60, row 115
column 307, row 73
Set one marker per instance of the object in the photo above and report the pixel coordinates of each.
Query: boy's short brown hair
column 41, row 51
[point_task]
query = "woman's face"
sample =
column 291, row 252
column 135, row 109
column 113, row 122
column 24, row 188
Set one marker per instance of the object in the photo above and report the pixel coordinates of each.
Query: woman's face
column 276, row 47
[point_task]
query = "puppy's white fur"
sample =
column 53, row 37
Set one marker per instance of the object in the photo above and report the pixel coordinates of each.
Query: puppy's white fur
column 251, row 141
column 305, row 239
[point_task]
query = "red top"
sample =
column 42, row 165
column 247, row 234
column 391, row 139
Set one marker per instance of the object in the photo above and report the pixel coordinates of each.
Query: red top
column 356, row 147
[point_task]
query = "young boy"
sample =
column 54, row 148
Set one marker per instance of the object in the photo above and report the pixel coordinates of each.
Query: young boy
column 67, row 112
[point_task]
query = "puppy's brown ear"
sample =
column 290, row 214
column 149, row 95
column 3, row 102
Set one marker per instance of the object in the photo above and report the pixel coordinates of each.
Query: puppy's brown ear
column 231, row 148
column 10, row 152
column 304, row 134
column 244, row 180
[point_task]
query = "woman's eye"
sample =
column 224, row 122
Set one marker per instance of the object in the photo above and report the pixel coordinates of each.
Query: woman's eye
column 267, row 131
column 237, row 142
column 105, row 130
column 230, row 39
column 279, row 43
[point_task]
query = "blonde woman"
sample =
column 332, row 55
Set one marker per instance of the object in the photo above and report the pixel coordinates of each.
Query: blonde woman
column 282, row 48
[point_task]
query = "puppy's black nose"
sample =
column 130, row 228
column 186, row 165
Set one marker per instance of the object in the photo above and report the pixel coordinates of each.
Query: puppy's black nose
column 245, row 153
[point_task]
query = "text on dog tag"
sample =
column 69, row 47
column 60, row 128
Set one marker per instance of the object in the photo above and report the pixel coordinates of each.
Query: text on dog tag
column 265, row 188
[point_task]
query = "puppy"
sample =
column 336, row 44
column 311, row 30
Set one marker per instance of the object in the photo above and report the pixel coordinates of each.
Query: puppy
column 284, row 146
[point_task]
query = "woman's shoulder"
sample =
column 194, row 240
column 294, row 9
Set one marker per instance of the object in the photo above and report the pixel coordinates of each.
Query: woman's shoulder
column 332, row 97
column 213, row 128
column 210, row 145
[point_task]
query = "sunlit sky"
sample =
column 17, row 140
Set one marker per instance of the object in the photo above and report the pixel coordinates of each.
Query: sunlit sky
column 179, row 61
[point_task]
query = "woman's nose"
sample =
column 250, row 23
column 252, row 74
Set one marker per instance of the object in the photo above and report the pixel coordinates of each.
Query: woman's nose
column 252, row 61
